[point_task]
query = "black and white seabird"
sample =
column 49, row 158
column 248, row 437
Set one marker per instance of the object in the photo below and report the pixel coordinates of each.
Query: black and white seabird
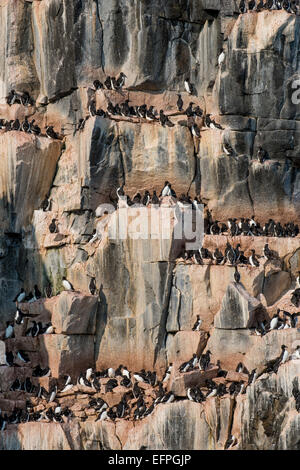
column 268, row 255
column 261, row 155
column 66, row 284
column 50, row 133
column 284, row 354
column 146, row 199
column 52, row 393
column 20, row 296
column 293, row 318
column 166, row 190
column 9, row 330
column 188, row 86
column 221, row 58
column 120, row 82
column 253, row 260
column 204, row 360
column 228, row 149
column 274, row 321
column 23, row 356
column 121, row 192
column 197, row 324
column 195, row 131
column 98, row 85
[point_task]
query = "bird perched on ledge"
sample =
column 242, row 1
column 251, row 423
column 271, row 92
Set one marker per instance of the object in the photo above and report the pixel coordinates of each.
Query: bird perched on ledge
column 66, row 284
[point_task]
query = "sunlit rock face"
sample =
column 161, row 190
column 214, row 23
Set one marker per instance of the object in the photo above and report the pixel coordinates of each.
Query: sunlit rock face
column 148, row 298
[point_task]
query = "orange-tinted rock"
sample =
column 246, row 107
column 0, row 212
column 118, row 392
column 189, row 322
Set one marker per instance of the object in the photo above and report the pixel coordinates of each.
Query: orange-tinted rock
column 182, row 381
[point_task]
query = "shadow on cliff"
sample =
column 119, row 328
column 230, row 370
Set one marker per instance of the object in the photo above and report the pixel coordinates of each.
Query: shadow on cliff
column 101, row 320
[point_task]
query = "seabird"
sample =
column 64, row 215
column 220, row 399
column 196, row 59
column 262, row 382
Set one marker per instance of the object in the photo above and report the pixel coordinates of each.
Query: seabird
column 204, row 360
column 52, row 227
column 242, row 6
column 154, row 199
column 92, row 286
column 253, row 260
column 284, row 355
column 221, row 58
column 52, row 393
column 150, row 115
column 111, row 372
column 9, row 359
column 97, row 85
column 231, row 441
column 19, row 317
column 9, row 331
column 237, row 275
column 196, row 130
column 36, row 292
column 268, row 255
column 162, row 118
column 188, row 86
column 88, row 373
column 23, row 356
column 293, row 318
column 107, row 83
column 48, row 329
column 34, row 330
column 120, row 82
column 228, row 149
column 252, row 377
column 179, row 103
column 20, row 296
column 48, row 290
column 50, row 133
column 189, row 110
column 274, row 321
column 212, row 392
column 261, row 155
column 197, row 324
column 146, row 199
column 66, row 284
column 296, row 353
column 120, row 192
column 166, row 190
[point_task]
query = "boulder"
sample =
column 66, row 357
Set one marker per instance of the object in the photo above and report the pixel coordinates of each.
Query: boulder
column 239, row 309
column 75, row 314
column 180, row 382
column 66, row 355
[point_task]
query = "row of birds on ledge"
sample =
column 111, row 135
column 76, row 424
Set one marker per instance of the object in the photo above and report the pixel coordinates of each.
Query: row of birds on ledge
column 27, row 126
column 149, row 114
column 141, row 112
column 141, row 406
column 232, row 256
column 36, row 294
column 234, row 227
column 271, row 5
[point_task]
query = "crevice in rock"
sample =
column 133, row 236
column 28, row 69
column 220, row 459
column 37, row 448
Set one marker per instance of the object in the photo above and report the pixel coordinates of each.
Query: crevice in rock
column 197, row 173
column 162, row 333
column 121, row 150
column 118, row 438
column 231, row 418
column 102, row 35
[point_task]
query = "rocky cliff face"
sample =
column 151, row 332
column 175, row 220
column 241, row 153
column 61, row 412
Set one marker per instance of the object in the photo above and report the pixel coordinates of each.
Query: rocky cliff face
column 148, row 297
